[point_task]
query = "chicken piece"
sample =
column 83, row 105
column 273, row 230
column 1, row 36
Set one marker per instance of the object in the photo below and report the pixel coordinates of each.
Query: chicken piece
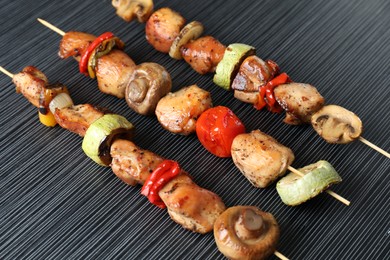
column 75, row 44
column 203, row 54
column 253, row 73
column 113, row 73
column 163, row 27
column 191, row 206
column 177, row 112
column 132, row 164
column 260, row 157
column 30, row 82
column 78, row 118
column 299, row 100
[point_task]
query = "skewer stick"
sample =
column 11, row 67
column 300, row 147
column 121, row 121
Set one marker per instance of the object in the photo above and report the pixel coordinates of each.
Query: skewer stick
column 331, row 193
column 373, row 146
column 280, row 255
column 6, row 72
column 50, row 26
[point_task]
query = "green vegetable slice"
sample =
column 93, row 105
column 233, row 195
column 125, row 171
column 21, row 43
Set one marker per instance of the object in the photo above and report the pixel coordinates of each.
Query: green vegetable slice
column 294, row 189
column 228, row 67
column 100, row 135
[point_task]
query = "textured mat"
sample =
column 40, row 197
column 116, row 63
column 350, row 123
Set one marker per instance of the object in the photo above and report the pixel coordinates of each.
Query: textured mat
column 56, row 203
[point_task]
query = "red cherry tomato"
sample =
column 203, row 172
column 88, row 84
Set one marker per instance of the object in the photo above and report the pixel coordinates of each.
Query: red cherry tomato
column 216, row 128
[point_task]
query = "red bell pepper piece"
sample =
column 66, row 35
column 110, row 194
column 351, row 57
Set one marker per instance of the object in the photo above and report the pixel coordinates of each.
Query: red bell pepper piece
column 165, row 171
column 266, row 93
column 83, row 64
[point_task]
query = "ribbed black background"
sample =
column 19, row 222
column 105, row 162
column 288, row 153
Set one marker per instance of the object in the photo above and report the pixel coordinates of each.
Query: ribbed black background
column 57, row 203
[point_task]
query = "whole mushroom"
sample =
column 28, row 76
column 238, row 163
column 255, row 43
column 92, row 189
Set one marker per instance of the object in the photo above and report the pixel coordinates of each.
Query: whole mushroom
column 245, row 232
column 148, row 84
column 337, row 125
column 129, row 9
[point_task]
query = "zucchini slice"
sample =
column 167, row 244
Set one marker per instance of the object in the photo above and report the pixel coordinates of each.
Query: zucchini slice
column 191, row 31
column 100, row 135
column 294, row 189
column 228, row 67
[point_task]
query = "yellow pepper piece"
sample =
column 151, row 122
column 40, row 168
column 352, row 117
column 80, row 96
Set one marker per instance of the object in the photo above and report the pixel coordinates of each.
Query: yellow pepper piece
column 48, row 119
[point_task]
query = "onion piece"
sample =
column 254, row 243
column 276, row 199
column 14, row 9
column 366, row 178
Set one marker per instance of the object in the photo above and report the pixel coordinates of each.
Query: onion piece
column 62, row 100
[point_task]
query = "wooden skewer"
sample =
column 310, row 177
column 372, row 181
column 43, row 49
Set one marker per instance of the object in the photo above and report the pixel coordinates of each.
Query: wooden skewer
column 6, row 72
column 49, row 25
column 331, row 193
column 373, row 146
column 277, row 253
column 280, row 255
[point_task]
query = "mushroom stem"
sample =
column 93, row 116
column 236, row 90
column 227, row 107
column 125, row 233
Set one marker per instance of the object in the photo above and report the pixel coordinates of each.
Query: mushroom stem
column 249, row 225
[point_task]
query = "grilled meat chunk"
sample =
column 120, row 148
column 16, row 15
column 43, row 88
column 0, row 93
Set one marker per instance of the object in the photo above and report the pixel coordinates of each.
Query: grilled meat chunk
column 30, row 82
column 163, row 27
column 78, row 118
column 253, row 73
column 113, row 73
column 260, row 157
column 299, row 100
column 191, row 206
column 177, row 112
column 74, row 44
column 203, row 54
column 132, row 164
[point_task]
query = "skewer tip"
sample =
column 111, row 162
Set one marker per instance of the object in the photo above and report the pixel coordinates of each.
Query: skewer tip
column 280, row 255
column 6, row 72
column 373, row 146
column 52, row 27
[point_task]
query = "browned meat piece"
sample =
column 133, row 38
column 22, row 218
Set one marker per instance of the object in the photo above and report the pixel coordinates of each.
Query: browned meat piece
column 74, row 44
column 132, row 164
column 260, row 157
column 299, row 100
column 253, row 73
column 30, row 82
column 203, row 54
column 162, row 28
column 177, row 112
column 78, row 118
column 113, row 73
column 191, row 206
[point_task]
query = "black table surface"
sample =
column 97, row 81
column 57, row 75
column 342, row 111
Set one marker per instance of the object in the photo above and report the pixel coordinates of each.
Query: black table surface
column 57, row 203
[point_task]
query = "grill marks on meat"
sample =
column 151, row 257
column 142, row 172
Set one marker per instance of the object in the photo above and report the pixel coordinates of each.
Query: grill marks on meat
column 132, row 164
column 203, row 54
column 299, row 100
column 191, row 206
column 177, row 112
column 30, row 82
column 163, row 27
column 260, row 157
column 78, row 118
column 74, row 44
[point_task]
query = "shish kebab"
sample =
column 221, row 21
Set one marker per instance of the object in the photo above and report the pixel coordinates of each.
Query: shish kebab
column 244, row 231
column 237, row 68
column 178, row 112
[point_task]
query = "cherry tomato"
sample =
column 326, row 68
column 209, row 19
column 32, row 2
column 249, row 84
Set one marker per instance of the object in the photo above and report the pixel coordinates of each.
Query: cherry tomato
column 216, row 128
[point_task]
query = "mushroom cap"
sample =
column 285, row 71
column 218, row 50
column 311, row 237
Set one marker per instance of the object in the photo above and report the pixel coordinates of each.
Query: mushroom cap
column 129, row 9
column 336, row 124
column 148, row 84
column 245, row 232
